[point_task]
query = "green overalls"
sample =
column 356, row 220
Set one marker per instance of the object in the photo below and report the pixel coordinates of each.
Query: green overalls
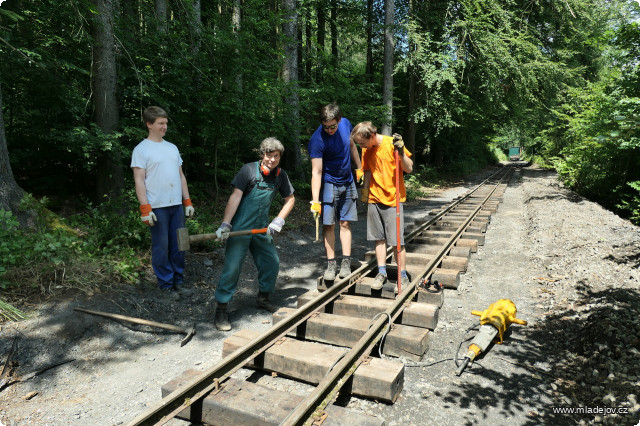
column 252, row 213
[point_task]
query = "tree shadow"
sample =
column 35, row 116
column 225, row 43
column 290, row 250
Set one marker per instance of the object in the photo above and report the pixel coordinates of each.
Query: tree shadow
column 585, row 358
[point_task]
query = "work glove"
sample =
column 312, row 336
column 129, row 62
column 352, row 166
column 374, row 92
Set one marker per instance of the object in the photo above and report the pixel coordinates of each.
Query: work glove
column 223, row 231
column 188, row 208
column 359, row 176
column 275, row 226
column 364, row 197
column 315, row 209
column 398, row 143
column 146, row 215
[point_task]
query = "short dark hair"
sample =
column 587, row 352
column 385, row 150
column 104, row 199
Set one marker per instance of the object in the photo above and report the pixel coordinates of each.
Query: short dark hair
column 330, row 112
column 151, row 114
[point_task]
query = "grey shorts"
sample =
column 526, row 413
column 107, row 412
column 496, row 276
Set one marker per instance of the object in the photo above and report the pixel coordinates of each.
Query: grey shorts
column 381, row 223
column 339, row 203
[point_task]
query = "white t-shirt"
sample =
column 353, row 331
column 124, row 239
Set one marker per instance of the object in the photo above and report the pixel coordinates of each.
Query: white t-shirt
column 161, row 161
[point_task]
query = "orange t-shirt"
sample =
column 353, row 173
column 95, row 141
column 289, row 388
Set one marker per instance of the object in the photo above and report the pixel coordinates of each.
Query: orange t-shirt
column 380, row 160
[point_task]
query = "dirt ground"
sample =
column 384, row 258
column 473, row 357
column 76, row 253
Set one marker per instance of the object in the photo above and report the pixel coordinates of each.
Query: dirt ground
column 571, row 267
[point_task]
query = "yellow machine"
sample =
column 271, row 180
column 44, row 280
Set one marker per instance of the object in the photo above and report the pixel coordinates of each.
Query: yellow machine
column 493, row 321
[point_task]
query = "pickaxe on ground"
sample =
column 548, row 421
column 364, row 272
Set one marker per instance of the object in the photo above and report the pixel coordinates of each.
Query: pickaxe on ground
column 190, row 332
column 185, row 240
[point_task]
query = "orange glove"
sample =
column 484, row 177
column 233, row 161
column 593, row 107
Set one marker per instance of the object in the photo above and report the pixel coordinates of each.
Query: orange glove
column 188, row 208
column 147, row 215
column 359, row 175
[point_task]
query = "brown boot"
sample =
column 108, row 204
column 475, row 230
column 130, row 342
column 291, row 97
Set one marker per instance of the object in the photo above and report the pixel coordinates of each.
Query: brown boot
column 221, row 319
column 263, row 303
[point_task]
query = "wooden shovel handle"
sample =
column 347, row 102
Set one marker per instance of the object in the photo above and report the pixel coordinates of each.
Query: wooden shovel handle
column 204, row 237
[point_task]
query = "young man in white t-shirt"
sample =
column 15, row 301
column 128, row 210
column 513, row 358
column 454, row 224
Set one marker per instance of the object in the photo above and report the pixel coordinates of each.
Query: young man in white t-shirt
column 162, row 191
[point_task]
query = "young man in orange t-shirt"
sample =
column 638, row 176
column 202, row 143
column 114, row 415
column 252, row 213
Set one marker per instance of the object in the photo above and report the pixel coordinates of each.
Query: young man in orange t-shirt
column 379, row 191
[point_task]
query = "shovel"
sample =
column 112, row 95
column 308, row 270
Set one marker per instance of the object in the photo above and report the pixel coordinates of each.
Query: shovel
column 185, row 240
column 189, row 332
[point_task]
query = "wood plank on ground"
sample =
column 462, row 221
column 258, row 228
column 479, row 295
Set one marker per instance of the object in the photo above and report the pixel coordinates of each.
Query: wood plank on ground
column 462, row 242
column 464, row 252
column 416, row 314
column 423, row 259
column 245, row 403
column 401, row 341
column 446, row 234
column 380, row 379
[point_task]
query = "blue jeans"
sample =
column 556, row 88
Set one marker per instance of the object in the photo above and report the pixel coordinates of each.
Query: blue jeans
column 166, row 259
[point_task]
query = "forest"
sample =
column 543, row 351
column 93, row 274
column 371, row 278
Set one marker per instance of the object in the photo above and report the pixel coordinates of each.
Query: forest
column 461, row 80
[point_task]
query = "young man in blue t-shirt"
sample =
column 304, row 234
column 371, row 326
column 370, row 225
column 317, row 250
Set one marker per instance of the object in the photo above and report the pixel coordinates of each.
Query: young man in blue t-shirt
column 333, row 189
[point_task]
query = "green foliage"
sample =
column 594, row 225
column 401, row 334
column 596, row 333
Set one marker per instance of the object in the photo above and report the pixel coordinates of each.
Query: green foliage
column 42, row 249
column 630, row 203
column 559, row 78
column 78, row 252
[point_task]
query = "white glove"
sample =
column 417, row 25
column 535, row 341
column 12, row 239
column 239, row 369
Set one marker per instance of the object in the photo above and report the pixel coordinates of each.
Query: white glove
column 275, row 226
column 223, row 231
column 147, row 215
column 188, row 208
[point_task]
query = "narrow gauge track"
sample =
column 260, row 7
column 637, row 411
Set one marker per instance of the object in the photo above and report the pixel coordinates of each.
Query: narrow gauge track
column 437, row 251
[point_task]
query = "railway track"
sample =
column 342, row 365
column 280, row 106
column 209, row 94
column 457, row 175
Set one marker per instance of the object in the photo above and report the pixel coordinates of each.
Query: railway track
column 344, row 337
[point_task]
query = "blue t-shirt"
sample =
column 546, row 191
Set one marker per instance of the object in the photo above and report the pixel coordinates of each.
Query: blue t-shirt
column 335, row 152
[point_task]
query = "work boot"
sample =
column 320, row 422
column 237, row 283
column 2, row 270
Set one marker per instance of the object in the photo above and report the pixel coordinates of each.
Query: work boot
column 330, row 273
column 183, row 291
column 345, row 268
column 378, row 282
column 404, row 282
column 221, row 319
column 169, row 294
column 263, row 303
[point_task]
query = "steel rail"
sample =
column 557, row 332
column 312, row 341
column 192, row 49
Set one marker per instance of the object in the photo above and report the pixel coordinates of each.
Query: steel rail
column 211, row 379
column 328, row 387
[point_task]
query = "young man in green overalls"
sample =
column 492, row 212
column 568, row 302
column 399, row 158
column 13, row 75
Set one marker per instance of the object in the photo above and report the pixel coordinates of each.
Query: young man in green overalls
column 255, row 185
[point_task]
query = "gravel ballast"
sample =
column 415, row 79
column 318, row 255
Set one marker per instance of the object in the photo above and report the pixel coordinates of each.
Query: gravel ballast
column 570, row 266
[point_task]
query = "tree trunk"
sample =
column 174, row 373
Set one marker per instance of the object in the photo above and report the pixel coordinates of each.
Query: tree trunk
column 333, row 26
column 104, row 84
column 10, row 193
column 369, row 69
column 321, row 40
column 300, row 53
column 387, row 83
column 410, row 137
column 161, row 16
column 308, row 61
column 290, row 77
column 197, row 163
